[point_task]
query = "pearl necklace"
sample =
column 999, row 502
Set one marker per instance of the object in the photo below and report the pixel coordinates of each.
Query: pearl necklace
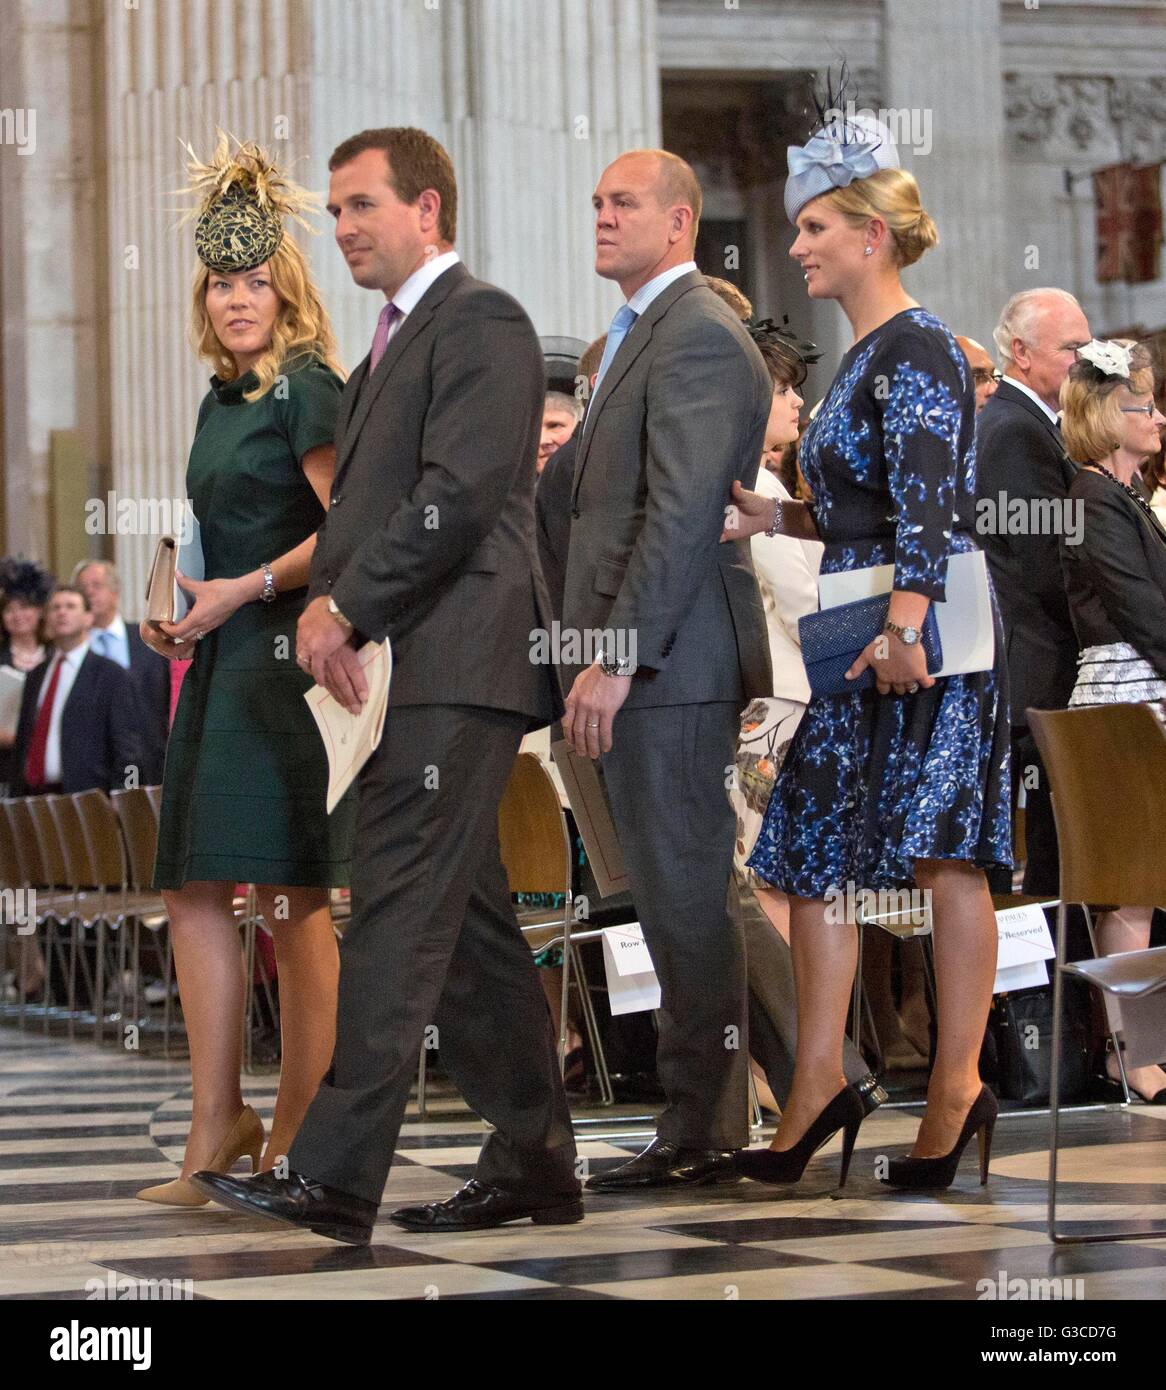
column 1128, row 489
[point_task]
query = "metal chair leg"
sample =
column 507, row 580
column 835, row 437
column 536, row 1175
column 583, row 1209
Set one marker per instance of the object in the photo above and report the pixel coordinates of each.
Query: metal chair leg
column 591, row 1026
column 74, row 947
column 422, row 1097
column 1054, row 1090
column 566, row 984
column 99, row 991
column 168, row 1010
column 1055, row 1074
column 756, row 1119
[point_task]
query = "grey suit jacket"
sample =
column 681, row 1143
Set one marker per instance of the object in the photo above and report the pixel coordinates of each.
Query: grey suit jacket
column 429, row 539
column 679, row 414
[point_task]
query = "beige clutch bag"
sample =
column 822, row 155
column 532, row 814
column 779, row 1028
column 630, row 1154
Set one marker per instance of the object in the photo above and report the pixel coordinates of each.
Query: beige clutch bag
column 165, row 601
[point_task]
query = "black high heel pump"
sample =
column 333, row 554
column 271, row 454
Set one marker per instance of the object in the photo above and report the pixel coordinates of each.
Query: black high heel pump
column 940, row 1171
column 845, row 1112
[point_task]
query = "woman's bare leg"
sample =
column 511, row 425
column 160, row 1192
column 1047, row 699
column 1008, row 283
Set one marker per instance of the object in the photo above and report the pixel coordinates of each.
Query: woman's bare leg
column 208, row 959
column 1128, row 929
column 308, row 963
column 964, row 934
column 825, row 954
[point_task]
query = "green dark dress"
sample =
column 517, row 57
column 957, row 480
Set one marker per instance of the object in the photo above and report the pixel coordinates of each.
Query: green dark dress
column 246, row 775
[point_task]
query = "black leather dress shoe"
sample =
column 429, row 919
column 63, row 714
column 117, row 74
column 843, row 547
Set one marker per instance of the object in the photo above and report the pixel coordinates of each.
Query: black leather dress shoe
column 667, row 1165
column 477, row 1206
column 294, row 1200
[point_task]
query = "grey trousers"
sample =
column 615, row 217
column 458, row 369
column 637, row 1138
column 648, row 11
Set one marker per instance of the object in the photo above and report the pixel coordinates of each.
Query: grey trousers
column 726, row 976
column 665, row 777
column 433, row 939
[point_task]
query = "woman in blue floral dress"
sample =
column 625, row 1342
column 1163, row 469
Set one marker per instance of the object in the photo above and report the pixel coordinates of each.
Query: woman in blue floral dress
column 905, row 784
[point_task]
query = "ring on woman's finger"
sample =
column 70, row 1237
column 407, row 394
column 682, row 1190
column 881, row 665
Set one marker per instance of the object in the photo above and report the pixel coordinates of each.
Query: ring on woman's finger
column 913, row 687
column 594, row 726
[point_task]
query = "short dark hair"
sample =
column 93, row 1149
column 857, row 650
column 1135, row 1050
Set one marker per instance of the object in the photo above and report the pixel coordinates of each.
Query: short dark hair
column 416, row 161
column 783, row 370
column 71, row 589
column 592, row 357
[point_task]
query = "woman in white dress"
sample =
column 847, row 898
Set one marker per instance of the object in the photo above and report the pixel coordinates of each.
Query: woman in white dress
column 787, row 573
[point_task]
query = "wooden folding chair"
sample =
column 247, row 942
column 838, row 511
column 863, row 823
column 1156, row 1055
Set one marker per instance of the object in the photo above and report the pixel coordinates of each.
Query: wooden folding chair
column 139, row 828
column 1106, row 766
column 537, row 854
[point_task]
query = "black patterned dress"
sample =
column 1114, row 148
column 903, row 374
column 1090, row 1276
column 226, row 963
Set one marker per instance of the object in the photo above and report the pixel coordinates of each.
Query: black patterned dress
column 873, row 782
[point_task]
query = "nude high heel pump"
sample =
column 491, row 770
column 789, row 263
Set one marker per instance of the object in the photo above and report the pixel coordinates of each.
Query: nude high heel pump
column 245, row 1137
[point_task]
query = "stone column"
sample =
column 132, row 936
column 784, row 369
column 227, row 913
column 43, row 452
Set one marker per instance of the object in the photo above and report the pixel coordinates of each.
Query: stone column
column 942, row 80
column 50, row 259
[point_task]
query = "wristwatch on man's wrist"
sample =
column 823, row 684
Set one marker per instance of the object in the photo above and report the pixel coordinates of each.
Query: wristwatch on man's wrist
column 336, row 613
column 909, row 636
column 615, row 666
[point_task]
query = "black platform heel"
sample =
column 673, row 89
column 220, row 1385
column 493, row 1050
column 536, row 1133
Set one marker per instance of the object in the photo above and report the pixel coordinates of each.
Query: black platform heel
column 845, row 1112
column 940, row 1171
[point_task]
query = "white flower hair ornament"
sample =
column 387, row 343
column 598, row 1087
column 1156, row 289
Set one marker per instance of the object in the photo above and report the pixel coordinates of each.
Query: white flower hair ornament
column 1108, row 357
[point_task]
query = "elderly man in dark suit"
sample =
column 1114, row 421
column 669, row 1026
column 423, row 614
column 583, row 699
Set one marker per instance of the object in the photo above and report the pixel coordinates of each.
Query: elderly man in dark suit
column 1022, row 467
column 149, row 673
column 429, row 541
column 76, row 730
column 678, row 412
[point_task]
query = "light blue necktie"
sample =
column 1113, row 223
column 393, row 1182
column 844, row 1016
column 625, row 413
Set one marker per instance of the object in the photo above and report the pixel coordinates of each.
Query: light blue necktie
column 621, row 325
column 102, row 640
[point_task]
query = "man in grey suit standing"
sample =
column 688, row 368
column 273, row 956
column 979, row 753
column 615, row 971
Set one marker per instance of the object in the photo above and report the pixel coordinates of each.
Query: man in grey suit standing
column 677, row 413
column 429, row 541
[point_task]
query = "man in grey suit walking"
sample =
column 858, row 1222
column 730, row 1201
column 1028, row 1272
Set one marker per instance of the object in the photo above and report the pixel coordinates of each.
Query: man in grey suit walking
column 677, row 413
column 429, row 540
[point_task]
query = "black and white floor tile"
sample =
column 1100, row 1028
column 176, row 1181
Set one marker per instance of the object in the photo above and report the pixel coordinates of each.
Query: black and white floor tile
column 82, row 1129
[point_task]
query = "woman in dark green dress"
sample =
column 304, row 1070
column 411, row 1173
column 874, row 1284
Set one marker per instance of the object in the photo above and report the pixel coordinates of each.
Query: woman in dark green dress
column 244, row 789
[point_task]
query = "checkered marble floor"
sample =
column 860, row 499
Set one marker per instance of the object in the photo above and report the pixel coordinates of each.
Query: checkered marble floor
column 81, row 1130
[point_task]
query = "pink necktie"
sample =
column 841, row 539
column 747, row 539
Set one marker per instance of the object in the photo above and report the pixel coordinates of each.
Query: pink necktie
column 380, row 339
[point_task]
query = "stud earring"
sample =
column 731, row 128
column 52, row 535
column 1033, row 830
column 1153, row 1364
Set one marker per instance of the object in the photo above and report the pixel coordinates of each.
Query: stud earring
column 868, row 251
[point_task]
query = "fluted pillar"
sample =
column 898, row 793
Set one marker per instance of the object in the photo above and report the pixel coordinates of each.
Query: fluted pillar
column 942, row 78
column 51, row 265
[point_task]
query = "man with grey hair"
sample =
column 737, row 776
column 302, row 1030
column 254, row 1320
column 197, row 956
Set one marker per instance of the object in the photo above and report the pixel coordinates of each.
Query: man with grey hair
column 1023, row 476
column 111, row 637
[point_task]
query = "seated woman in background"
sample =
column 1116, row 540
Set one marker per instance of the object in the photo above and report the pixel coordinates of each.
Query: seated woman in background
column 1116, row 578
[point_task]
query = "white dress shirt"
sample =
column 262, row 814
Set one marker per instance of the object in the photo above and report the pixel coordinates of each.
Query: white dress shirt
column 1032, row 395
column 117, row 647
column 407, row 297
column 656, row 286
column 787, row 574
column 72, row 664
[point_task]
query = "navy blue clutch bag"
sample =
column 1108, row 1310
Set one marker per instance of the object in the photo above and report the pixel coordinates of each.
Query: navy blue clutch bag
column 833, row 638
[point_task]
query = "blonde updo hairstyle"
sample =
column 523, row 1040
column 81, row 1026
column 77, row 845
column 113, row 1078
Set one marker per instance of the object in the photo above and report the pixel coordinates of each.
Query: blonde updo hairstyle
column 892, row 195
column 1092, row 423
column 301, row 327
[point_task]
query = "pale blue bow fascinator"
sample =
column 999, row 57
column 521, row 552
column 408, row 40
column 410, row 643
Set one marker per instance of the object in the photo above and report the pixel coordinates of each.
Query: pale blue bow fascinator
column 844, row 150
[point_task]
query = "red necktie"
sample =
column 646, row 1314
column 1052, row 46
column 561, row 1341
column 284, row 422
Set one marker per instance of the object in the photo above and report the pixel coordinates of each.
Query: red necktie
column 34, row 764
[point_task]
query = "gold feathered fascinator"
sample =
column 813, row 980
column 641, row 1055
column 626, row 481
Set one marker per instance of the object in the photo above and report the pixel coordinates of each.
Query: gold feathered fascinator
column 242, row 197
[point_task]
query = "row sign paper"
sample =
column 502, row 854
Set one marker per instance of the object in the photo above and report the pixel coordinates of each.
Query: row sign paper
column 631, row 977
column 1025, row 943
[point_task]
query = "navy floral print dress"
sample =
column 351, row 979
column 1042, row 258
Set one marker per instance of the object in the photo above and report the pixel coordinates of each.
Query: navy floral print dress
column 873, row 782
